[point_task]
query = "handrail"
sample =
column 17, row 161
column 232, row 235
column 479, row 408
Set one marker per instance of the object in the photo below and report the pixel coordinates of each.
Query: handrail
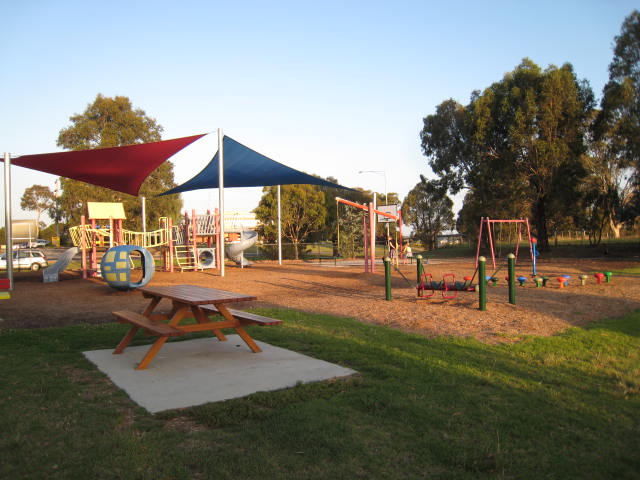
column 101, row 236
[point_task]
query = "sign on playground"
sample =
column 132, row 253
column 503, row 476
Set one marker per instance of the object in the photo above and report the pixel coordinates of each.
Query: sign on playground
column 391, row 209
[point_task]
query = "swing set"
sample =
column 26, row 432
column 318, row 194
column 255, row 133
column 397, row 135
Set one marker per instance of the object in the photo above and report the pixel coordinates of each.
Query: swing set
column 487, row 223
column 369, row 230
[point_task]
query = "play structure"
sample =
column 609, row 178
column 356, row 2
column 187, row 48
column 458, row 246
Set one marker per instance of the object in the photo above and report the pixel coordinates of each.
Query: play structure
column 448, row 286
column 117, row 263
column 52, row 273
column 369, row 230
column 194, row 244
column 487, row 228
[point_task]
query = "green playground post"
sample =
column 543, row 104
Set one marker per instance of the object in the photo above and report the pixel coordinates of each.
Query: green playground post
column 511, row 262
column 387, row 277
column 419, row 271
column 482, row 284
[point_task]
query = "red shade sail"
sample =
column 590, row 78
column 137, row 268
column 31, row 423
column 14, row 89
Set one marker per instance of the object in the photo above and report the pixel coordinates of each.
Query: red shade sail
column 119, row 168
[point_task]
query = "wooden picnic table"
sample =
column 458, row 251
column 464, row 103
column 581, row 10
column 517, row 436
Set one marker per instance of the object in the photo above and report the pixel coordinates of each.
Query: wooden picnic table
column 189, row 301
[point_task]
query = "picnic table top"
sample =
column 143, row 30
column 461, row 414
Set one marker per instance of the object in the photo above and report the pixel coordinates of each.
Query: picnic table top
column 194, row 294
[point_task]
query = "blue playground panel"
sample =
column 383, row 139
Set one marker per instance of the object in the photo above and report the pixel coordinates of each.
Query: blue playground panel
column 116, row 267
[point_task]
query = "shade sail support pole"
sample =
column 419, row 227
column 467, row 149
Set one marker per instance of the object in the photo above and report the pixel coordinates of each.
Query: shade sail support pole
column 279, row 228
column 7, row 218
column 221, row 197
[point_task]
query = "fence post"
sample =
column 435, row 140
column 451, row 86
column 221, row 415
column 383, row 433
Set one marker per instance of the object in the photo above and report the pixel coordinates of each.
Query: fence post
column 482, row 284
column 511, row 262
column 387, row 278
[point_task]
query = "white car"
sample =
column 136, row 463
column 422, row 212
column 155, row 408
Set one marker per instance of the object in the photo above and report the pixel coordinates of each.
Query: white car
column 37, row 243
column 25, row 260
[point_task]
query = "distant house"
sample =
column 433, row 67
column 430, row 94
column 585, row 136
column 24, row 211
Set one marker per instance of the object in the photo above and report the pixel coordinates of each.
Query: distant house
column 449, row 237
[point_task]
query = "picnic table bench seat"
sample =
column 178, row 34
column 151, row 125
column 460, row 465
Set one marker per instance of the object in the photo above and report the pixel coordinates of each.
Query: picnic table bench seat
column 241, row 315
column 153, row 328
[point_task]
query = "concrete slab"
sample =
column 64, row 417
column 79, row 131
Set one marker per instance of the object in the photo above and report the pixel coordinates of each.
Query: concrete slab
column 193, row 372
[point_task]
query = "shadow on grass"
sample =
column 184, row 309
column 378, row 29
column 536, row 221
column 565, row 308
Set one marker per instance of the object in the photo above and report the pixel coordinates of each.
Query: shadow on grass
column 563, row 407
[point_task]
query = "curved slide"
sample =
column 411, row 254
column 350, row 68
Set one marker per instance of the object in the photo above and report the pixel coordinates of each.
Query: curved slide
column 234, row 249
column 50, row 274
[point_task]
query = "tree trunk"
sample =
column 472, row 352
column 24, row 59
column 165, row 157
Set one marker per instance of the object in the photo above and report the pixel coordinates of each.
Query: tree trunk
column 295, row 251
column 540, row 221
column 615, row 227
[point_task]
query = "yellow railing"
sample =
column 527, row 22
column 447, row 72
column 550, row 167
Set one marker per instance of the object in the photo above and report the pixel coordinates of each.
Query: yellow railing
column 101, row 237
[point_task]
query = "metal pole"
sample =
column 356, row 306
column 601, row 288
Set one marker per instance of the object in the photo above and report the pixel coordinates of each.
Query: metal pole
column 372, row 238
column 419, row 273
column 387, row 278
column 144, row 216
column 57, row 195
column 511, row 261
column 221, row 197
column 338, row 226
column 7, row 218
column 482, row 283
column 279, row 229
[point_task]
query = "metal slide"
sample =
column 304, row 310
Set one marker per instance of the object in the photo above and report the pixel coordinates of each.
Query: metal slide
column 50, row 274
column 234, row 249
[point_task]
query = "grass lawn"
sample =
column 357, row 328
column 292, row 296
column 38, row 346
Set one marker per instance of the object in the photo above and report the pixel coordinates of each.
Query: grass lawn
column 560, row 407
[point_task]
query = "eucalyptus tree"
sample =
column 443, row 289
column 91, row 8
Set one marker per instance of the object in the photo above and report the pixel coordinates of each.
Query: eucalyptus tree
column 617, row 127
column 38, row 198
column 303, row 212
column 619, row 120
column 113, row 122
column 518, row 142
column 428, row 209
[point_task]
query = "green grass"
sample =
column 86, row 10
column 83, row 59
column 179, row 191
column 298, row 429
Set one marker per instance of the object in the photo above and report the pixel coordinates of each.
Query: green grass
column 560, row 407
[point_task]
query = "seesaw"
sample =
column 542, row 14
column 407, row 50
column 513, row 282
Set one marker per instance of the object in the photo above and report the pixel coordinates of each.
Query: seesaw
column 448, row 286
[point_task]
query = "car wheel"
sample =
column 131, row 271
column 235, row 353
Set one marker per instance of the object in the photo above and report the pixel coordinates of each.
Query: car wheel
column 35, row 267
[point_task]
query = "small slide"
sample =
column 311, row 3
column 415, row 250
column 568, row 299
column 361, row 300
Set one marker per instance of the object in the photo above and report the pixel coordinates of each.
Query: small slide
column 234, row 249
column 50, row 274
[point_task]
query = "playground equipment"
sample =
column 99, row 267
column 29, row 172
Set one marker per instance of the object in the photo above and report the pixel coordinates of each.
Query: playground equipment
column 194, row 244
column 235, row 248
column 448, row 287
column 487, row 223
column 600, row 276
column 52, row 273
column 5, row 288
column 116, row 267
column 369, row 230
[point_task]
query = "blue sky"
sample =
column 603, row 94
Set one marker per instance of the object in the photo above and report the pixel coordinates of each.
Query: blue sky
column 330, row 88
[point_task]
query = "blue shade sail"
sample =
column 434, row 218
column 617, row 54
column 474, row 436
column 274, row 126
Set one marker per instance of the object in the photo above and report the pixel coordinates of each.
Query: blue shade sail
column 244, row 167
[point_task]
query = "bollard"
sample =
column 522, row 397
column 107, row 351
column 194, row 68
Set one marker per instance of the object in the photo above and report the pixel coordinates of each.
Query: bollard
column 511, row 277
column 599, row 277
column 583, row 280
column 482, row 284
column 419, row 273
column 522, row 281
column 538, row 281
column 608, row 275
column 387, row 277
column 544, row 281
